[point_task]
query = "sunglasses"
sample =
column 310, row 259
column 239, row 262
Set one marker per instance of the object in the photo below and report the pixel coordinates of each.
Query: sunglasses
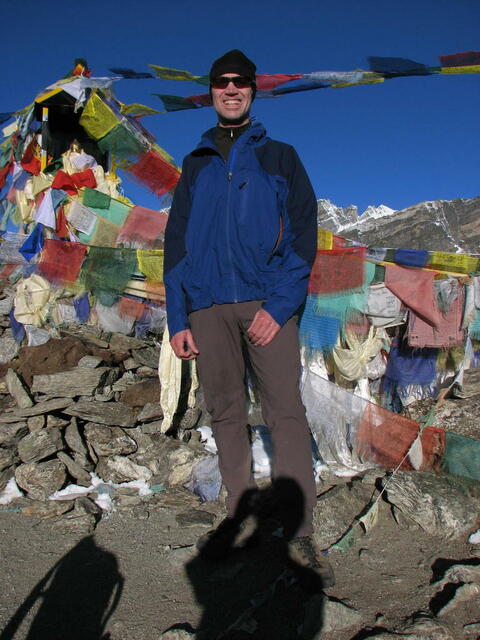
column 240, row 82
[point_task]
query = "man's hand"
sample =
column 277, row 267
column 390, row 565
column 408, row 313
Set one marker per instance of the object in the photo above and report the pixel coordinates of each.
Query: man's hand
column 263, row 329
column 183, row 345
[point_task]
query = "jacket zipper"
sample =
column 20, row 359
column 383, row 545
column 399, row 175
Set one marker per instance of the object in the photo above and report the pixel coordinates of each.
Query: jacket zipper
column 230, row 163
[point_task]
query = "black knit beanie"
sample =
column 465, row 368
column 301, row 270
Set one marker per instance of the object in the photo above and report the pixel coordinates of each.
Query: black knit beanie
column 233, row 62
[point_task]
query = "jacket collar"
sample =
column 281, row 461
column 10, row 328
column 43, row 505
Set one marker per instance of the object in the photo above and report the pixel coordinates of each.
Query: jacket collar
column 251, row 136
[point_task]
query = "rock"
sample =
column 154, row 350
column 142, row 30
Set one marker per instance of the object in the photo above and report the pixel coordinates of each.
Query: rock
column 107, row 395
column 121, row 345
column 152, row 427
column 58, row 423
column 460, row 573
column 81, row 381
column 141, row 393
column 426, row 628
column 35, row 423
column 8, row 347
column 171, row 461
column 11, row 434
column 92, row 362
column 125, row 501
column 38, row 409
column 178, row 633
column 147, row 372
column 463, row 594
column 48, row 509
column 75, row 470
column 125, row 381
column 74, row 439
column 85, row 336
column 110, row 413
column 83, row 461
column 6, row 305
column 41, row 479
column 39, row 445
column 55, row 356
column 120, row 469
column 151, row 411
column 439, row 505
column 335, row 511
column 16, row 388
column 473, row 627
column 147, row 356
column 130, row 364
column 5, row 476
column 80, row 521
column 195, row 518
column 335, row 614
column 109, row 441
column 190, row 418
column 8, row 457
column 143, row 440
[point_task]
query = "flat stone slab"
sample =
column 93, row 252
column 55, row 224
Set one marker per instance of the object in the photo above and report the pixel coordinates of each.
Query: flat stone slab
column 11, row 434
column 38, row 409
column 40, row 444
column 110, row 413
column 81, row 381
column 17, row 390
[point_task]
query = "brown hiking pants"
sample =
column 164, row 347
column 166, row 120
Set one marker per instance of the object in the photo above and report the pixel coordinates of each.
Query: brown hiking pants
column 220, row 333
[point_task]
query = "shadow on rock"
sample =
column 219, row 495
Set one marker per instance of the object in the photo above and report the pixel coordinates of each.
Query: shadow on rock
column 246, row 581
column 75, row 599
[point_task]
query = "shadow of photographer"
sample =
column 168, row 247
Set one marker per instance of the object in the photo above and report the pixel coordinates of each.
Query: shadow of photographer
column 246, row 579
column 75, row 599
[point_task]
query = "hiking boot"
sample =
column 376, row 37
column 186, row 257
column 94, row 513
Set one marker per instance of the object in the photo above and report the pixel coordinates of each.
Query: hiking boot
column 304, row 552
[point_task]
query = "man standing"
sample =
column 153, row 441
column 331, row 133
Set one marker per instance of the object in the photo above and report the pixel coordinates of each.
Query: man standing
column 239, row 246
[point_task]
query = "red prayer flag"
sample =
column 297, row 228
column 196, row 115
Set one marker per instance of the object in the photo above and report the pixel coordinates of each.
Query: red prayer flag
column 143, row 228
column 155, row 173
column 385, row 437
column 131, row 307
column 337, row 270
column 60, row 261
column 465, row 59
column 3, row 173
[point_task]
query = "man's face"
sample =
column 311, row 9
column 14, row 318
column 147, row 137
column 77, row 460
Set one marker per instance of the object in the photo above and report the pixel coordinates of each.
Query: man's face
column 232, row 103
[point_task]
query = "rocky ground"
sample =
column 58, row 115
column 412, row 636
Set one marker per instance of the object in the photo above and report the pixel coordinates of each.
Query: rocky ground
column 132, row 572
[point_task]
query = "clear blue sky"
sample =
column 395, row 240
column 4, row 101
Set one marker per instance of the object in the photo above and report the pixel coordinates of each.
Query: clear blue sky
column 396, row 143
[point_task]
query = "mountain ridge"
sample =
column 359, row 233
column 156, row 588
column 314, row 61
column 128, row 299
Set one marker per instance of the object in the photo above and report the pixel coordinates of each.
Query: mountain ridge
column 441, row 225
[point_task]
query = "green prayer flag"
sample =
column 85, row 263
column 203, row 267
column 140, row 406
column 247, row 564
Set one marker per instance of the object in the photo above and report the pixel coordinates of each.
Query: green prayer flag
column 94, row 198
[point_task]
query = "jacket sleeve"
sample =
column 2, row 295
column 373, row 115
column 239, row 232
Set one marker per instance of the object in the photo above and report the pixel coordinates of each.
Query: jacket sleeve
column 299, row 243
column 175, row 255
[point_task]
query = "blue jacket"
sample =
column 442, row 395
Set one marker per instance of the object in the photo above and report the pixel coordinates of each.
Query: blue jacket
column 245, row 229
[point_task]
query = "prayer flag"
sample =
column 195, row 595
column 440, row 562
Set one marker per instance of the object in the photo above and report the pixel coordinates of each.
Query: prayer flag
column 60, row 261
column 394, row 67
column 130, row 74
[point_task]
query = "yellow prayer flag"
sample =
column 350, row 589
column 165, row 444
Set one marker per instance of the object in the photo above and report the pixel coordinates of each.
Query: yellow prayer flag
column 454, row 262
column 137, row 110
column 369, row 77
column 150, row 263
column 324, row 239
column 97, row 118
column 172, row 74
column 471, row 68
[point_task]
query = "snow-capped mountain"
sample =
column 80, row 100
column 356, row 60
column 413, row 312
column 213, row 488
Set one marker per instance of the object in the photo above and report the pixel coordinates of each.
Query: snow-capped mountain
column 442, row 225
